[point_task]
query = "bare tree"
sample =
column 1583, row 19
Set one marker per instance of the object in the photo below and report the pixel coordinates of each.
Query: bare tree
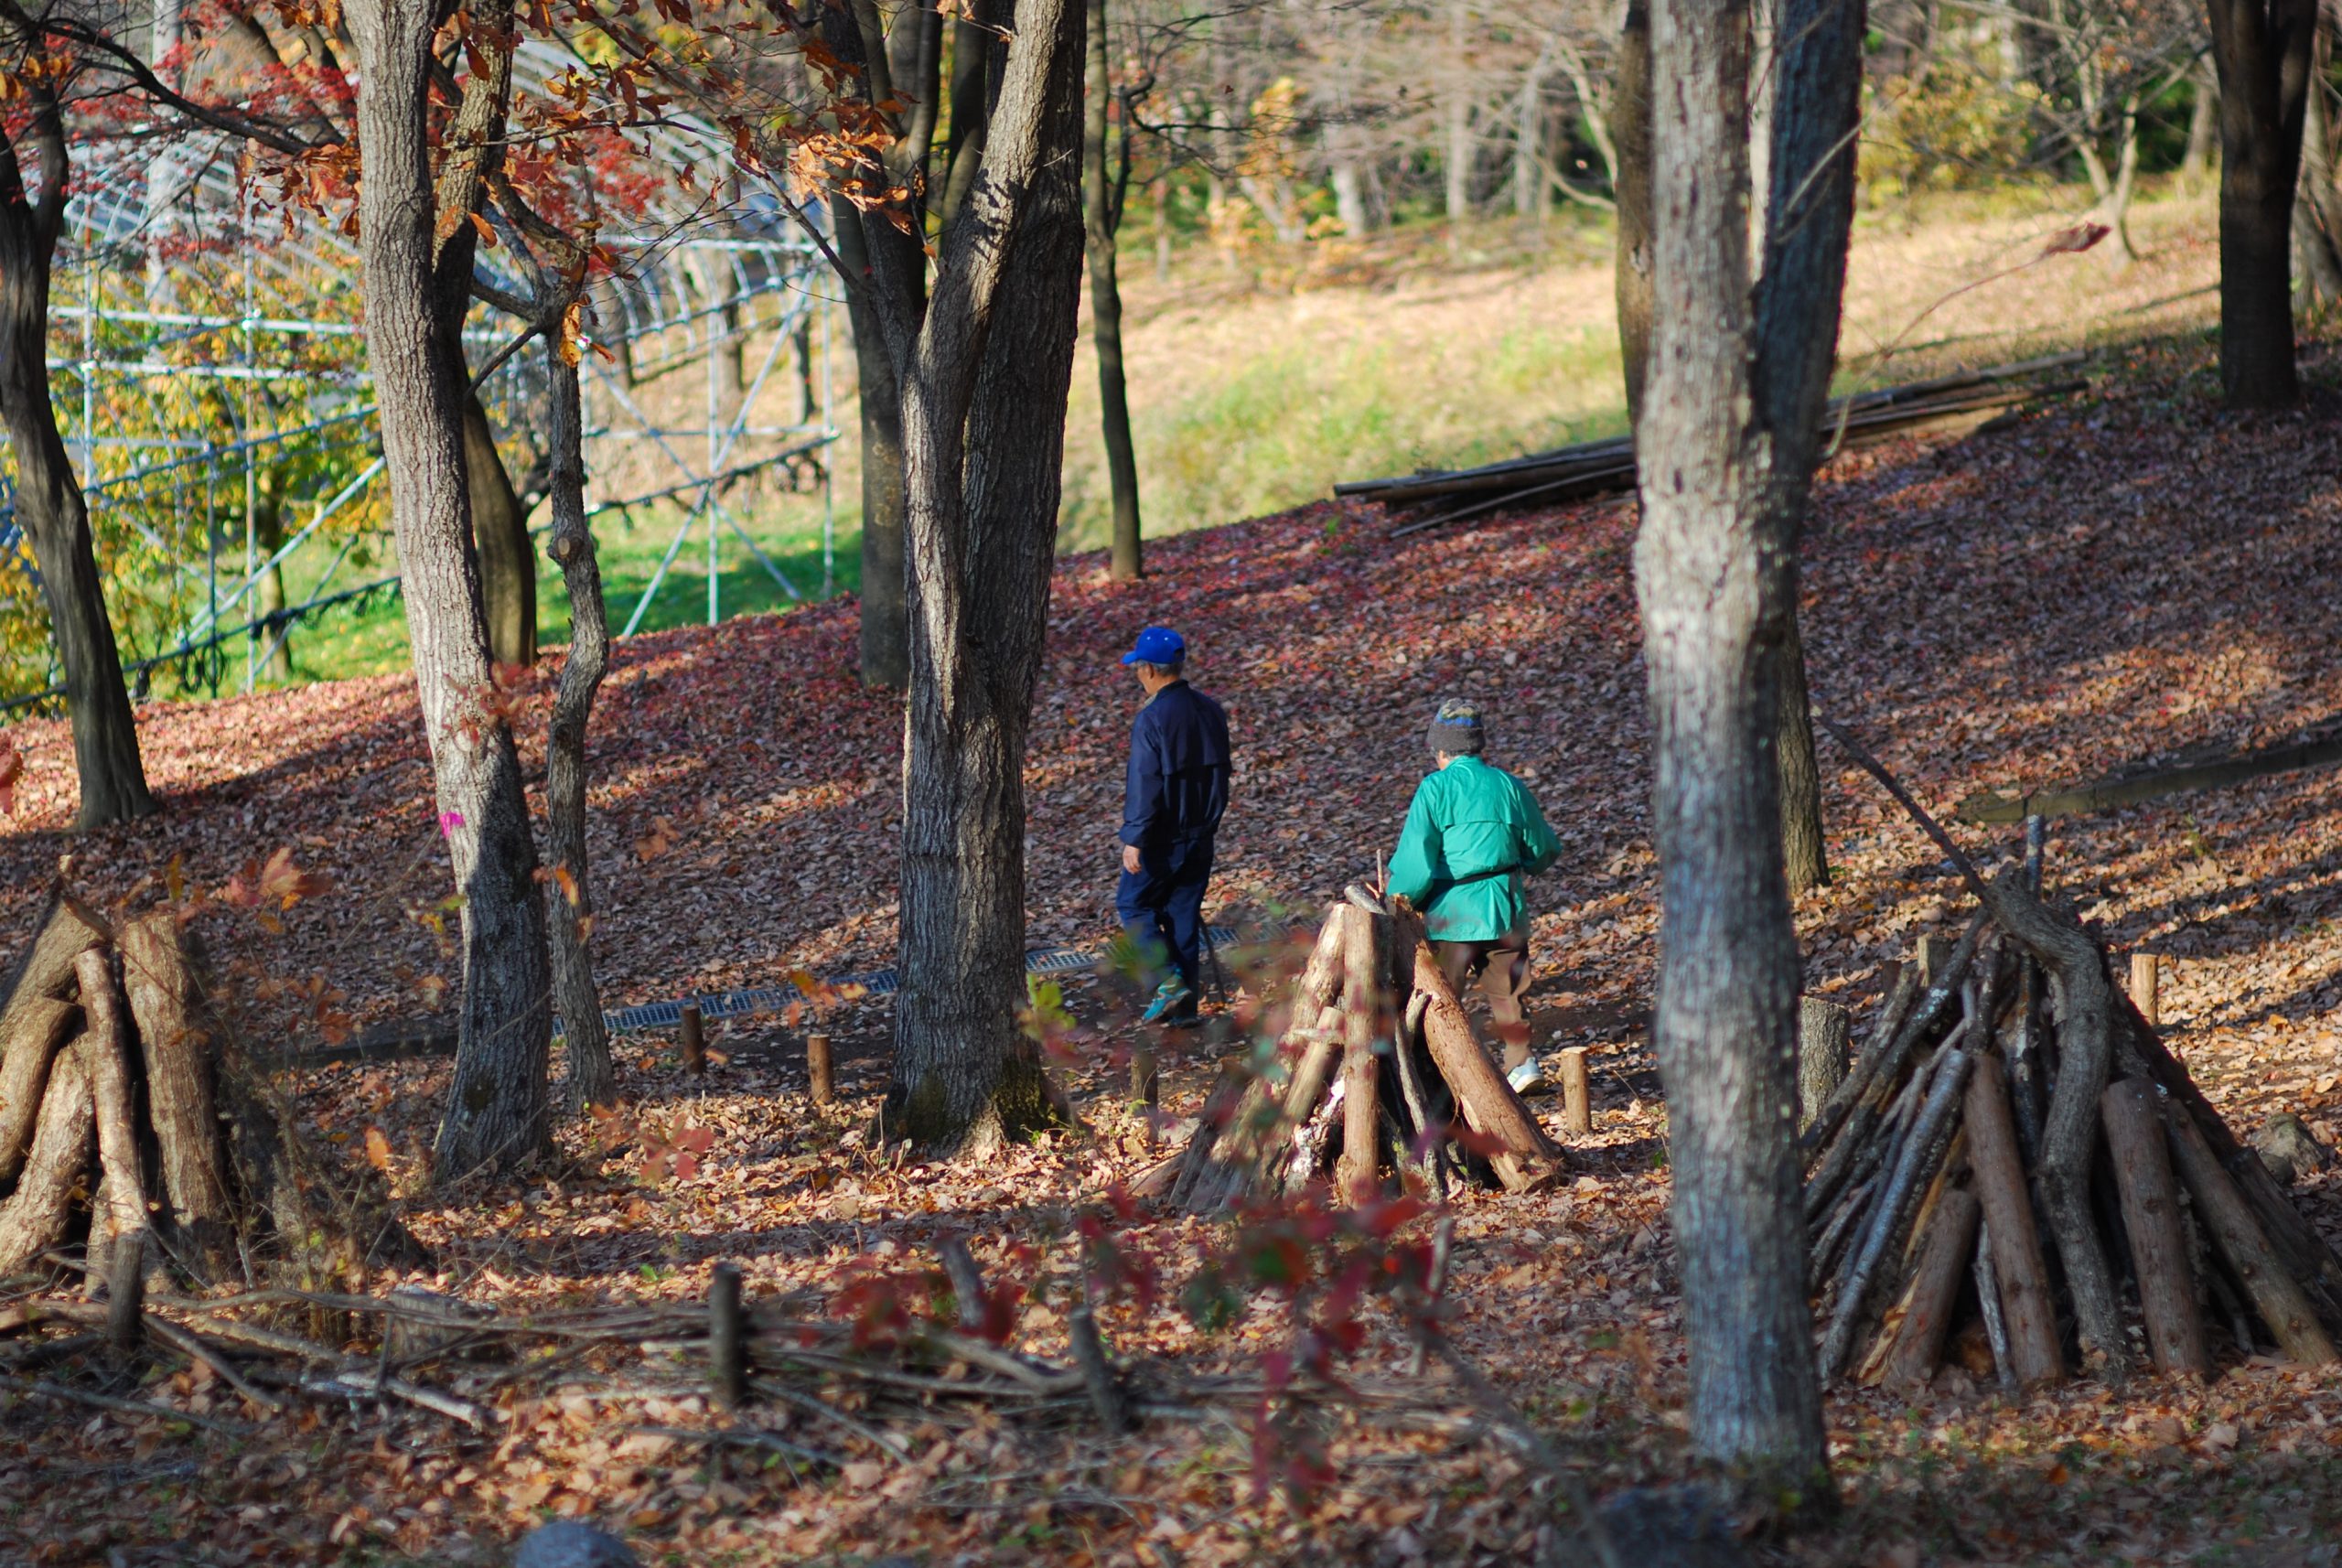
column 418, row 278
column 1725, row 440
column 1105, row 184
column 2261, row 48
column 48, row 501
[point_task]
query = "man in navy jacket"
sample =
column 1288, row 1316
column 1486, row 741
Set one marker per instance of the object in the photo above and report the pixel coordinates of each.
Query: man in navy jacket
column 1172, row 803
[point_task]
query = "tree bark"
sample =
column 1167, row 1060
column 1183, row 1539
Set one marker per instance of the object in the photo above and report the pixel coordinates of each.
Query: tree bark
column 497, row 1111
column 177, row 1056
column 2159, row 1252
column 1825, row 1031
column 508, row 572
column 576, row 998
column 49, row 499
column 1809, row 205
column 2021, row 1272
column 983, row 379
column 885, row 621
column 2262, row 49
column 1631, row 138
column 1716, row 590
column 275, row 636
column 1101, row 209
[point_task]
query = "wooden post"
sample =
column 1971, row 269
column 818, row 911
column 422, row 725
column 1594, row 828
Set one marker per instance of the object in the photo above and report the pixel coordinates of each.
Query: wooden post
column 126, row 1295
column 820, row 1074
column 694, row 1041
column 1824, row 1047
column 2144, row 988
column 1362, row 1008
column 1945, row 1258
column 1578, row 1098
column 2228, row 1219
column 2159, row 1251
column 727, row 1337
column 2025, row 1306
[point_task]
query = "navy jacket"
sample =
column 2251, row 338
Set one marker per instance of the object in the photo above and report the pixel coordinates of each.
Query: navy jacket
column 1177, row 786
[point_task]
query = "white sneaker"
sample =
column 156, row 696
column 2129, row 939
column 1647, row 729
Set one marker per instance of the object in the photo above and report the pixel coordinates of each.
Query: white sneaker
column 1528, row 1077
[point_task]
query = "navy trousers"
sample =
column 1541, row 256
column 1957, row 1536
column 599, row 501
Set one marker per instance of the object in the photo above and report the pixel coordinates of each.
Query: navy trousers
column 1160, row 905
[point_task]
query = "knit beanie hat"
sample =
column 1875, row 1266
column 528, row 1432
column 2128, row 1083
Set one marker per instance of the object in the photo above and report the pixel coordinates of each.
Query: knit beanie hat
column 1455, row 729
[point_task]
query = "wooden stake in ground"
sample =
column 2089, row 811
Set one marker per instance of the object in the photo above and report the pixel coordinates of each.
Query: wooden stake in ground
column 1578, row 1098
column 2026, row 1309
column 820, row 1075
column 2145, row 991
column 2159, row 1251
column 1825, row 1038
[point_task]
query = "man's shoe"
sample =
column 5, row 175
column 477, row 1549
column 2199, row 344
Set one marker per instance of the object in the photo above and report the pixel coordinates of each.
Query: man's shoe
column 1528, row 1078
column 1167, row 996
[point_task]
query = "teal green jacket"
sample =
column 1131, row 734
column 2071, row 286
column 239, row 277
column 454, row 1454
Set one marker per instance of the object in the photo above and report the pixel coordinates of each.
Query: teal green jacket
column 1470, row 820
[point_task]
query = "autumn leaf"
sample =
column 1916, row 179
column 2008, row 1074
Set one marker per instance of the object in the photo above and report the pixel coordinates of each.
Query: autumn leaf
column 12, row 767
column 378, row 1149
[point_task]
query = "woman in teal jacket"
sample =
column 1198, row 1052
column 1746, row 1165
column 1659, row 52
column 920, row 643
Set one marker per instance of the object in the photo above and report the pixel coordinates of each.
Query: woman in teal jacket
column 1473, row 835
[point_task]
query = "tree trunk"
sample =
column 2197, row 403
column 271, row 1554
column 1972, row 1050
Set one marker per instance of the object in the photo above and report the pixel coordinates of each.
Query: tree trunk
column 1101, row 215
column 984, row 397
column 508, row 569
column 2315, row 235
column 275, row 636
column 1631, row 135
column 1456, row 114
column 1529, row 186
column 1714, row 598
column 1825, row 1033
column 48, row 500
column 2261, row 48
column 1810, row 204
column 2203, row 120
column 886, row 630
column 577, row 1000
column 496, row 1113
column 2159, row 1251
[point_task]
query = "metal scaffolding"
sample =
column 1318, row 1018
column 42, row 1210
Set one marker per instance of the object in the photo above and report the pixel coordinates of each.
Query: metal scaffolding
column 207, row 357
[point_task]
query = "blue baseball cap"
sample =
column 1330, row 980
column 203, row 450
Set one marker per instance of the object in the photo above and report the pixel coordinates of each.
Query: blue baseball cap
column 1157, row 644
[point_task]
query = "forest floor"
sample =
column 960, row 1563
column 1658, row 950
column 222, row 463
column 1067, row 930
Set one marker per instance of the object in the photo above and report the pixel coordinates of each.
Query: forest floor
column 2123, row 577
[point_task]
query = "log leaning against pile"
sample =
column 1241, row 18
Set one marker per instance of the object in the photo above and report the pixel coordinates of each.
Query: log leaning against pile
column 1357, row 1080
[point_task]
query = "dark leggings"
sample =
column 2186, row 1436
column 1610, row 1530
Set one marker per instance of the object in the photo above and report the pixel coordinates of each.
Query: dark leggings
column 1502, row 968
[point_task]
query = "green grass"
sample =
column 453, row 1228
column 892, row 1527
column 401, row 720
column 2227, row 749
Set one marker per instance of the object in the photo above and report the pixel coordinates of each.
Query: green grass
column 369, row 638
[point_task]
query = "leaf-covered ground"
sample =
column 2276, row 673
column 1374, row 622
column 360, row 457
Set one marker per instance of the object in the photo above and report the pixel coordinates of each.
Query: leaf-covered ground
column 2127, row 578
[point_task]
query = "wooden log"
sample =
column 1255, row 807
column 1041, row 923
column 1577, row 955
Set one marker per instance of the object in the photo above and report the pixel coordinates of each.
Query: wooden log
column 121, row 1209
column 127, row 1295
column 1490, row 1107
column 1310, row 1140
column 1916, row 1167
column 33, row 1219
column 1988, row 1303
column 1577, row 1091
column 1825, row 1034
column 164, row 1004
column 2143, row 1175
column 2147, row 993
column 31, row 1034
column 1935, row 956
column 1362, row 1018
column 1853, row 1110
column 68, row 928
column 1946, row 1256
column 1227, row 1089
column 2027, row 1307
column 2236, row 1234
column 1320, row 981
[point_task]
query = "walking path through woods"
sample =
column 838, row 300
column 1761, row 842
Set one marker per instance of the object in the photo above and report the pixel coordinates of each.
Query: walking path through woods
column 2112, row 582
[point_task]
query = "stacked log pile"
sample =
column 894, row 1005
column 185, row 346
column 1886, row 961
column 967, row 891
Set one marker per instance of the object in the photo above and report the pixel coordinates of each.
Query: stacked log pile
column 120, row 1133
column 1367, row 1085
column 1605, row 468
column 2017, row 1164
